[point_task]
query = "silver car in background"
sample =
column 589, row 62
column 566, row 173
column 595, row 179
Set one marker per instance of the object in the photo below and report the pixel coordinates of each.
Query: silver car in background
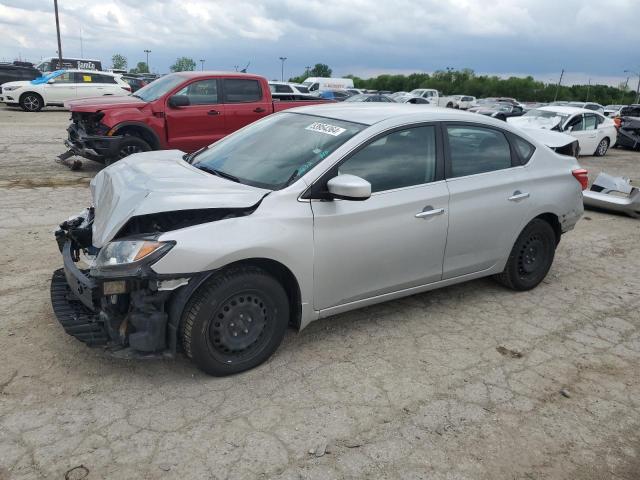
column 303, row 215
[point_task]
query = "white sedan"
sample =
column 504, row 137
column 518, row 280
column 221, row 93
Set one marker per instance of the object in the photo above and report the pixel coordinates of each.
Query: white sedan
column 57, row 87
column 595, row 132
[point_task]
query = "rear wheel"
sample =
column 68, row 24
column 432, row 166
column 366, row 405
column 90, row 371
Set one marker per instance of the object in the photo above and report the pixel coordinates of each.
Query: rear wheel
column 603, row 146
column 235, row 321
column 31, row 102
column 129, row 145
column 531, row 257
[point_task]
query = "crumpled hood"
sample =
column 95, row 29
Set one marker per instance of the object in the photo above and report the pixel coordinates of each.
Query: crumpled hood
column 535, row 122
column 155, row 182
column 105, row 102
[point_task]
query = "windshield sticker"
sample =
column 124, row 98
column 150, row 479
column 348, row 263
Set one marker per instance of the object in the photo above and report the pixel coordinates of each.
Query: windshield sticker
column 326, row 128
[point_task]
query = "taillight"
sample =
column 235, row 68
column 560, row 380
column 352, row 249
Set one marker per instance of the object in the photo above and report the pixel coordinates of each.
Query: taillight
column 582, row 176
column 617, row 121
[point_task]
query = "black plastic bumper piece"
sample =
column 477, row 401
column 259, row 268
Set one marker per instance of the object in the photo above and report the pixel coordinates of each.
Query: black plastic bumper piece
column 76, row 319
column 92, row 147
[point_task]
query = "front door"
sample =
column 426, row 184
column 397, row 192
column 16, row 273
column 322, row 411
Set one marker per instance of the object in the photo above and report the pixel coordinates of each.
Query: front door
column 585, row 129
column 488, row 201
column 62, row 89
column 200, row 123
column 245, row 102
column 393, row 240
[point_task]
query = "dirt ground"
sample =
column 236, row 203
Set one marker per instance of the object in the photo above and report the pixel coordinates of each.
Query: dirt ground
column 459, row 383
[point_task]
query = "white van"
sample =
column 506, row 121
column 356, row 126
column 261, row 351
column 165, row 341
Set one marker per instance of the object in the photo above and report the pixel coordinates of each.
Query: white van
column 320, row 84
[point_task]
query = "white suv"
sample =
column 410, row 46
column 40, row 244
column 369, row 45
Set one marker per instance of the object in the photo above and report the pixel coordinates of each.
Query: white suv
column 57, row 87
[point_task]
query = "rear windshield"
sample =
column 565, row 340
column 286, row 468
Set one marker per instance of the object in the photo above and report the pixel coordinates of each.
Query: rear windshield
column 274, row 152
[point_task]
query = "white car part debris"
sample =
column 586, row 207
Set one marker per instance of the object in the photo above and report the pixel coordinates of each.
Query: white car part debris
column 615, row 194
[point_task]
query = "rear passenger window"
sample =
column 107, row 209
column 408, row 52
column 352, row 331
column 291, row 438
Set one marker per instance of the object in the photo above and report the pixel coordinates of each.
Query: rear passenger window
column 283, row 89
column 104, row 79
column 477, row 150
column 400, row 159
column 590, row 122
column 239, row 90
column 524, row 148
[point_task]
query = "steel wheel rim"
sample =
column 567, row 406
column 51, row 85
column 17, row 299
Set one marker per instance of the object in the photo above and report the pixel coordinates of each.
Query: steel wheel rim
column 532, row 256
column 238, row 326
column 31, row 102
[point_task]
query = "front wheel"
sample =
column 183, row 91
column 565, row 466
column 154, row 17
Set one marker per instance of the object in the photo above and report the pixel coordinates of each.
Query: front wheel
column 31, row 102
column 603, row 146
column 130, row 144
column 531, row 257
column 235, row 321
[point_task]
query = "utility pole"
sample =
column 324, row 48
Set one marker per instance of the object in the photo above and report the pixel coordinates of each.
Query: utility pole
column 638, row 88
column 148, row 52
column 624, row 90
column 588, row 88
column 55, row 6
column 202, row 64
column 282, row 59
column 558, row 86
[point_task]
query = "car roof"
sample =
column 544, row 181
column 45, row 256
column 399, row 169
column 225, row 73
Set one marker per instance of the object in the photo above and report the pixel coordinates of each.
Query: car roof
column 372, row 113
column 199, row 73
column 101, row 72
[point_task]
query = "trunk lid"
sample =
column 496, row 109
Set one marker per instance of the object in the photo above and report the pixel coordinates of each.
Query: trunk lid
column 161, row 181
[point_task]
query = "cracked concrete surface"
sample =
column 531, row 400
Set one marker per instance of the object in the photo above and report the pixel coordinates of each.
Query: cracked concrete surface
column 428, row 387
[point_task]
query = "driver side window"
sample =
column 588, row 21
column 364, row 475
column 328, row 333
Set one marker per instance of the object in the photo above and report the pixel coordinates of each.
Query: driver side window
column 400, row 159
column 203, row 92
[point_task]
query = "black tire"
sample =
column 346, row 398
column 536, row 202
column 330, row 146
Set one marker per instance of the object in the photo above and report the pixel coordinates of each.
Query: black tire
column 531, row 257
column 235, row 321
column 602, row 148
column 31, row 102
column 449, row 105
column 130, row 144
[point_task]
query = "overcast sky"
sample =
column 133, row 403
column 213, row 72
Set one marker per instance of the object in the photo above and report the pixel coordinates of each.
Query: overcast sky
column 595, row 39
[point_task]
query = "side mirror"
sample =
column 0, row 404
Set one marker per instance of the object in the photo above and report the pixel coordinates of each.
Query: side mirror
column 177, row 101
column 349, row 187
column 51, row 81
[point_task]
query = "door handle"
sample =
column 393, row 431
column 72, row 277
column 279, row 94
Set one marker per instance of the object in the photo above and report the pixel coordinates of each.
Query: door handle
column 259, row 110
column 518, row 195
column 429, row 212
column 213, row 112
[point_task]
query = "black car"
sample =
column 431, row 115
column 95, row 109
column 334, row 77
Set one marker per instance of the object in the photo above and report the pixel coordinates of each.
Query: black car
column 136, row 83
column 370, row 97
column 501, row 111
column 10, row 72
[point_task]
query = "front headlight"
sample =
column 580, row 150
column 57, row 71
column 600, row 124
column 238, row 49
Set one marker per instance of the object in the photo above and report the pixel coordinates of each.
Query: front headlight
column 127, row 252
column 11, row 87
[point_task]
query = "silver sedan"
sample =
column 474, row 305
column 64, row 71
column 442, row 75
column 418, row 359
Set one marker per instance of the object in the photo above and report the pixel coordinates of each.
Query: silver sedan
column 302, row 215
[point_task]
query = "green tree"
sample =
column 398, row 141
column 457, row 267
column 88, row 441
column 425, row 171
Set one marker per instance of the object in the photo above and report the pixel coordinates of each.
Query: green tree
column 140, row 68
column 183, row 64
column 320, row 70
column 118, row 62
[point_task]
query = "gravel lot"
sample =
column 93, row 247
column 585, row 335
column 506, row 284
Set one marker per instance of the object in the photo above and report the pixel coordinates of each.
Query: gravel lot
column 460, row 383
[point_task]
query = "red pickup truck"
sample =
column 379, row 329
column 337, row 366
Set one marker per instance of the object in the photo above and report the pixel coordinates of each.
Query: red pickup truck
column 186, row 111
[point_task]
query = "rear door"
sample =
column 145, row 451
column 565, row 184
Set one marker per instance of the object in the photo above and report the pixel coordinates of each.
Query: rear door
column 87, row 85
column 584, row 127
column 106, row 85
column 488, row 198
column 62, row 89
column 245, row 102
column 200, row 123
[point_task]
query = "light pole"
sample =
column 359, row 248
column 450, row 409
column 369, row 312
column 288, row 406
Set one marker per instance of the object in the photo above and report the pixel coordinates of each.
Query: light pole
column 202, row 64
column 148, row 52
column 282, row 59
column 638, row 88
column 55, row 6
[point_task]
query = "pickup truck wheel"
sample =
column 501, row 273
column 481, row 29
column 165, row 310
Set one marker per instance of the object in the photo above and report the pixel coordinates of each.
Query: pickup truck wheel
column 31, row 102
column 129, row 145
column 531, row 257
column 235, row 321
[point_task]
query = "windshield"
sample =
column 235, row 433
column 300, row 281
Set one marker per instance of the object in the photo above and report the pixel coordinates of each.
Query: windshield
column 276, row 151
column 159, row 87
column 47, row 77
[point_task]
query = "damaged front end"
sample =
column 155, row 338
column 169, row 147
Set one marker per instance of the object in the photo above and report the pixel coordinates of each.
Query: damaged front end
column 89, row 138
column 116, row 300
column 614, row 194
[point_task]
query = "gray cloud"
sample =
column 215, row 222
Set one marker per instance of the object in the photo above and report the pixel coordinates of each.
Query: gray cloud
column 530, row 36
